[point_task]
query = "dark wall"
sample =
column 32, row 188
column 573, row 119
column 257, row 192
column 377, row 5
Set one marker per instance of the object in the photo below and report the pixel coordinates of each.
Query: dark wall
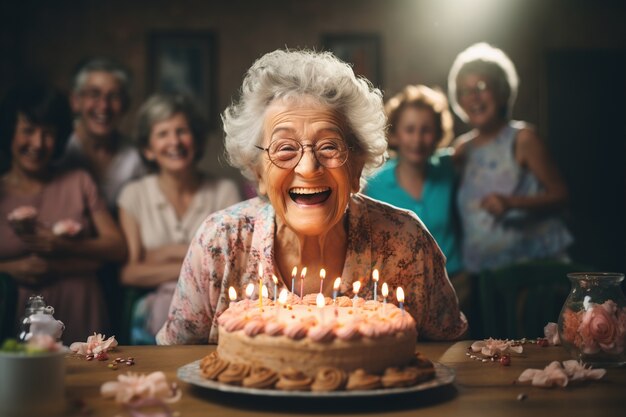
column 419, row 40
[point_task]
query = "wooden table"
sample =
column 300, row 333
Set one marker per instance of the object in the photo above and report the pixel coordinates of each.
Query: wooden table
column 480, row 389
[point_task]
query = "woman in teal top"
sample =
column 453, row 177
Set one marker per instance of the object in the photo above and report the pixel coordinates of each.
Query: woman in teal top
column 421, row 177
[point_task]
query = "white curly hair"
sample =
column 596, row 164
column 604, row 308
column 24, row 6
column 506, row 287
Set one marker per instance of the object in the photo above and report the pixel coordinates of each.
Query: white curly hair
column 299, row 74
column 482, row 58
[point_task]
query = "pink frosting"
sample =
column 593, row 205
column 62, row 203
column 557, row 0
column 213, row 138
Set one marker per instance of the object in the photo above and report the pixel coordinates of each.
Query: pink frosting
column 401, row 321
column 369, row 329
column 254, row 327
column 235, row 323
column 348, row 331
column 384, row 328
column 358, row 302
column 293, row 299
column 371, row 305
column 274, row 328
column 240, row 305
column 322, row 333
column 296, row 330
column 310, row 299
column 22, row 213
column 344, row 301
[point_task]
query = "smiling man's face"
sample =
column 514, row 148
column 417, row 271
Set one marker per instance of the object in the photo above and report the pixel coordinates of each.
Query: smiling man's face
column 99, row 104
column 309, row 198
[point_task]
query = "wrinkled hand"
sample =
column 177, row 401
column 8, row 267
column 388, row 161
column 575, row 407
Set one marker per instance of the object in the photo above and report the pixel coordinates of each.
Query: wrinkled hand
column 496, row 204
column 31, row 270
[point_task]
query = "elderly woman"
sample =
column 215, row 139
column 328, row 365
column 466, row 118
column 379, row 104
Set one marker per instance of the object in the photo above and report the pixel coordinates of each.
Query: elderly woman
column 306, row 129
column 161, row 212
column 511, row 190
column 71, row 232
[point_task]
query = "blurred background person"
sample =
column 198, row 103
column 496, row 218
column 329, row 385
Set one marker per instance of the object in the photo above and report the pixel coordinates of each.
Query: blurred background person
column 420, row 175
column 511, row 192
column 161, row 212
column 100, row 98
column 56, row 262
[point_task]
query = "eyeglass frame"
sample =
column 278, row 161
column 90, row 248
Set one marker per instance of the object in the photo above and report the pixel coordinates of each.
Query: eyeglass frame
column 302, row 149
column 480, row 87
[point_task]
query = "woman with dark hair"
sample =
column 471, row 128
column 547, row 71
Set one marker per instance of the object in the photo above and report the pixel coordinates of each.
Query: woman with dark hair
column 55, row 227
column 161, row 212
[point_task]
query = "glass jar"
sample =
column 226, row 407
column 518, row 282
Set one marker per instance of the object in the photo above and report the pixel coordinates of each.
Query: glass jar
column 592, row 323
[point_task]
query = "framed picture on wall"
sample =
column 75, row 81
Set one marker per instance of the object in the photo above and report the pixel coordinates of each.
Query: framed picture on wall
column 360, row 50
column 184, row 62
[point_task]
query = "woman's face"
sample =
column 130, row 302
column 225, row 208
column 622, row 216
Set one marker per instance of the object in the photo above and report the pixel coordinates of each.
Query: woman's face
column 171, row 145
column 479, row 99
column 415, row 135
column 309, row 198
column 32, row 147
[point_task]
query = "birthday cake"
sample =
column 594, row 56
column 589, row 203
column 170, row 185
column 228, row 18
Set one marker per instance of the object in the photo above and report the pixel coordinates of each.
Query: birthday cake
column 317, row 344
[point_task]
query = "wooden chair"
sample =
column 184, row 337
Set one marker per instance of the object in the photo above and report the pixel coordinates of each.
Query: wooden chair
column 519, row 300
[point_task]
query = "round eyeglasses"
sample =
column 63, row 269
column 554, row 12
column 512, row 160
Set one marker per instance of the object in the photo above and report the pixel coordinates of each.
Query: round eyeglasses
column 287, row 153
column 477, row 89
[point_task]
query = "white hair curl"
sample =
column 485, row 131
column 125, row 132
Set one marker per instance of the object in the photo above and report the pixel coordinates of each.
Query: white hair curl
column 296, row 74
column 490, row 61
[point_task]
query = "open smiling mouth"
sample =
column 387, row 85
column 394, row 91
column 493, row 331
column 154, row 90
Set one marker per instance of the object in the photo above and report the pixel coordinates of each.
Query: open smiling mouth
column 309, row 196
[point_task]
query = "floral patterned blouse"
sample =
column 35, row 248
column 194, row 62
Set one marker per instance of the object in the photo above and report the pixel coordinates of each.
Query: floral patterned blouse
column 229, row 245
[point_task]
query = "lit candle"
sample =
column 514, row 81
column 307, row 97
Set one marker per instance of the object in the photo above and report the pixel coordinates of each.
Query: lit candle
column 275, row 287
column 400, row 297
column 336, row 285
column 385, row 290
column 302, row 275
column 260, row 287
column 375, row 278
column 356, row 286
column 232, row 294
column 321, row 302
column 249, row 290
column 294, row 272
column 322, row 276
column 282, row 299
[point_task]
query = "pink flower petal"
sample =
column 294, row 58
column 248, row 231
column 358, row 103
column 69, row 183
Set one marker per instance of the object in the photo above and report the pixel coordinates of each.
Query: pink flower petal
column 551, row 332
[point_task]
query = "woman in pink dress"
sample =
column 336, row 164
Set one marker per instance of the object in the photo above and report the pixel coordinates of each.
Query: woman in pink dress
column 73, row 232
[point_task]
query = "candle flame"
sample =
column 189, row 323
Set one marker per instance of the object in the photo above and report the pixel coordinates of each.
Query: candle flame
column 282, row 297
column 294, row 272
column 337, row 283
column 232, row 294
column 356, row 286
column 385, row 290
column 320, row 300
column 274, row 279
column 375, row 275
column 322, row 273
column 303, row 273
column 249, row 290
column 400, row 294
column 260, row 271
column 264, row 291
